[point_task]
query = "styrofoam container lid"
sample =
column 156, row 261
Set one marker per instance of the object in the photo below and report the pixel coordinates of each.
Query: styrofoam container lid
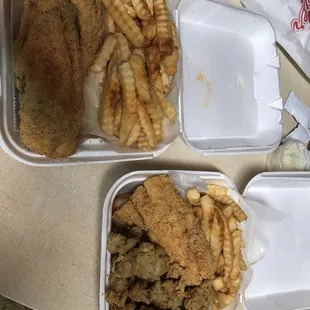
column 231, row 100
column 281, row 279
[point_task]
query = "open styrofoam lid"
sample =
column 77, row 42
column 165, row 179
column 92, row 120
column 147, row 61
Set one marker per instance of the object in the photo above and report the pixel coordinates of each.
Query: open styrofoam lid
column 231, row 99
column 281, row 280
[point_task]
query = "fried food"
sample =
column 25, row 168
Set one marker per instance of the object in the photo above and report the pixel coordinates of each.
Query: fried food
column 207, row 207
column 166, row 106
column 104, row 55
column 164, row 31
column 51, row 109
column 198, row 212
column 142, row 9
column 124, row 21
column 109, row 98
column 149, row 29
column 158, row 131
column 135, row 133
column 109, row 25
column 193, row 196
column 119, row 244
column 128, row 216
column 170, row 62
column 216, row 239
column 123, row 48
column 143, row 143
column 146, row 124
column 180, row 235
column 130, row 9
column 129, row 96
column 117, row 118
column 91, row 29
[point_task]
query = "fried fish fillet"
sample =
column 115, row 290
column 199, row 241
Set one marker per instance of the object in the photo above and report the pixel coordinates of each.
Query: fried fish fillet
column 91, row 27
column 47, row 67
column 171, row 223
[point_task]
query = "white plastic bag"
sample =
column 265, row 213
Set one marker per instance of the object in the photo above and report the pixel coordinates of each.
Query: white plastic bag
column 291, row 21
column 256, row 230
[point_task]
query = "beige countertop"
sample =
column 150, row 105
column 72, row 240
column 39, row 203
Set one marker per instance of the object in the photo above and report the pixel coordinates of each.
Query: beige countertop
column 50, row 218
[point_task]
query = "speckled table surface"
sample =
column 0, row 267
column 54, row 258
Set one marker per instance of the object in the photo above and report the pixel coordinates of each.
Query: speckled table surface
column 50, row 218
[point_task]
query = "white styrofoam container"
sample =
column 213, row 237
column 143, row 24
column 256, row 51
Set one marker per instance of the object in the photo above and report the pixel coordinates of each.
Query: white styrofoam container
column 126, row 184
column 90, row 150
column 231, row 100
column 281, row 279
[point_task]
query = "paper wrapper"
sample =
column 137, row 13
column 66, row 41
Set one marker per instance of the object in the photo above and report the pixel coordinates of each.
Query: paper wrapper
column 256, row 230
column 92, row 93
column 291, row 21
column 295, row 107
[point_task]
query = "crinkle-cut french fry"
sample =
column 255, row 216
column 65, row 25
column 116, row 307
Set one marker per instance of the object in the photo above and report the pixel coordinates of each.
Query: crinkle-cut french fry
column 157, row 81
column 175, row 36
column 166, row 81
column 217, row 236
column 142, row 9
column 143, row 142
column 153, row 58
column 170, row 62
column 158, row 127
column 224, row 300
column 109, row 25
column 130, row 9
column 149, row 30
column 232, row 224
column 219, row 194
column 207, row 206
column 166, row 106
column 117, row 117
column 220, row 266
column 243, row 266
column 150, row 5
column 234, row 286
column 139, row 52
column 239, row 213
column 141, row 81
column 235, row 273
column 108, row 100
column 135, row 133
column 129, row 97
column 124, row 21
column 164, row 31
column 123, row 49
column 146, row 124
column 218, row 284
column 227, row 211
column 197, row 212
column 104, row 55
column 154, row 108
column 228, row 249
column 193, row 196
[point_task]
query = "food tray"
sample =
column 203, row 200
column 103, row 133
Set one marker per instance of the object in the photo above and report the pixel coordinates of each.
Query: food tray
column 281, row 279
column 89, row 150
column 129, row 183
column 231, row 100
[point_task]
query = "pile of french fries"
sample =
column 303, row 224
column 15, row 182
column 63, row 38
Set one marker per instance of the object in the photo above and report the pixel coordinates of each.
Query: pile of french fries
column 139, row 59
column 219, row 216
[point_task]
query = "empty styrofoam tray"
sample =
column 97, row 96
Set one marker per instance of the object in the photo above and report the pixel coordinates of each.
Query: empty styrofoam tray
column 281, row 279
column 231, row 100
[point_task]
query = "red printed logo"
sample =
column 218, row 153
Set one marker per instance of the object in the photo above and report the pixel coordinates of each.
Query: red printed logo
column 298, row 24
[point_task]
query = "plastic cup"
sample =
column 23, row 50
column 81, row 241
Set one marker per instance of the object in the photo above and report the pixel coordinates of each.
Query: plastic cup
column 291, row 156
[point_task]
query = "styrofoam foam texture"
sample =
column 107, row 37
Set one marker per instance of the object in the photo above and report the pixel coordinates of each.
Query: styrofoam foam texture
column 281, row 279
column 128, row 183
column 231, row 100
column 94, row 150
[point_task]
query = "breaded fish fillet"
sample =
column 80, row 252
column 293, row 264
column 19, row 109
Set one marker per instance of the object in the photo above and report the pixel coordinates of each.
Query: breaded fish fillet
column 48, row 70
column 91, row 27
column 171, row 223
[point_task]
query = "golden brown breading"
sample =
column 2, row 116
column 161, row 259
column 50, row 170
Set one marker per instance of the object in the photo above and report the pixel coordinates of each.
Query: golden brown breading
column 50, row 81
column 171, row 224
column 128, row 216
column 91, row 25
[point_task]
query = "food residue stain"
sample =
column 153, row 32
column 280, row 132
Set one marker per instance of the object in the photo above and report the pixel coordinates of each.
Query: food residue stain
column 240, row 81
column 200, row 77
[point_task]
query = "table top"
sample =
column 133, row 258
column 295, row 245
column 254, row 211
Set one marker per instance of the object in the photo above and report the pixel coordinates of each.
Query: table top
column 50, row 218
